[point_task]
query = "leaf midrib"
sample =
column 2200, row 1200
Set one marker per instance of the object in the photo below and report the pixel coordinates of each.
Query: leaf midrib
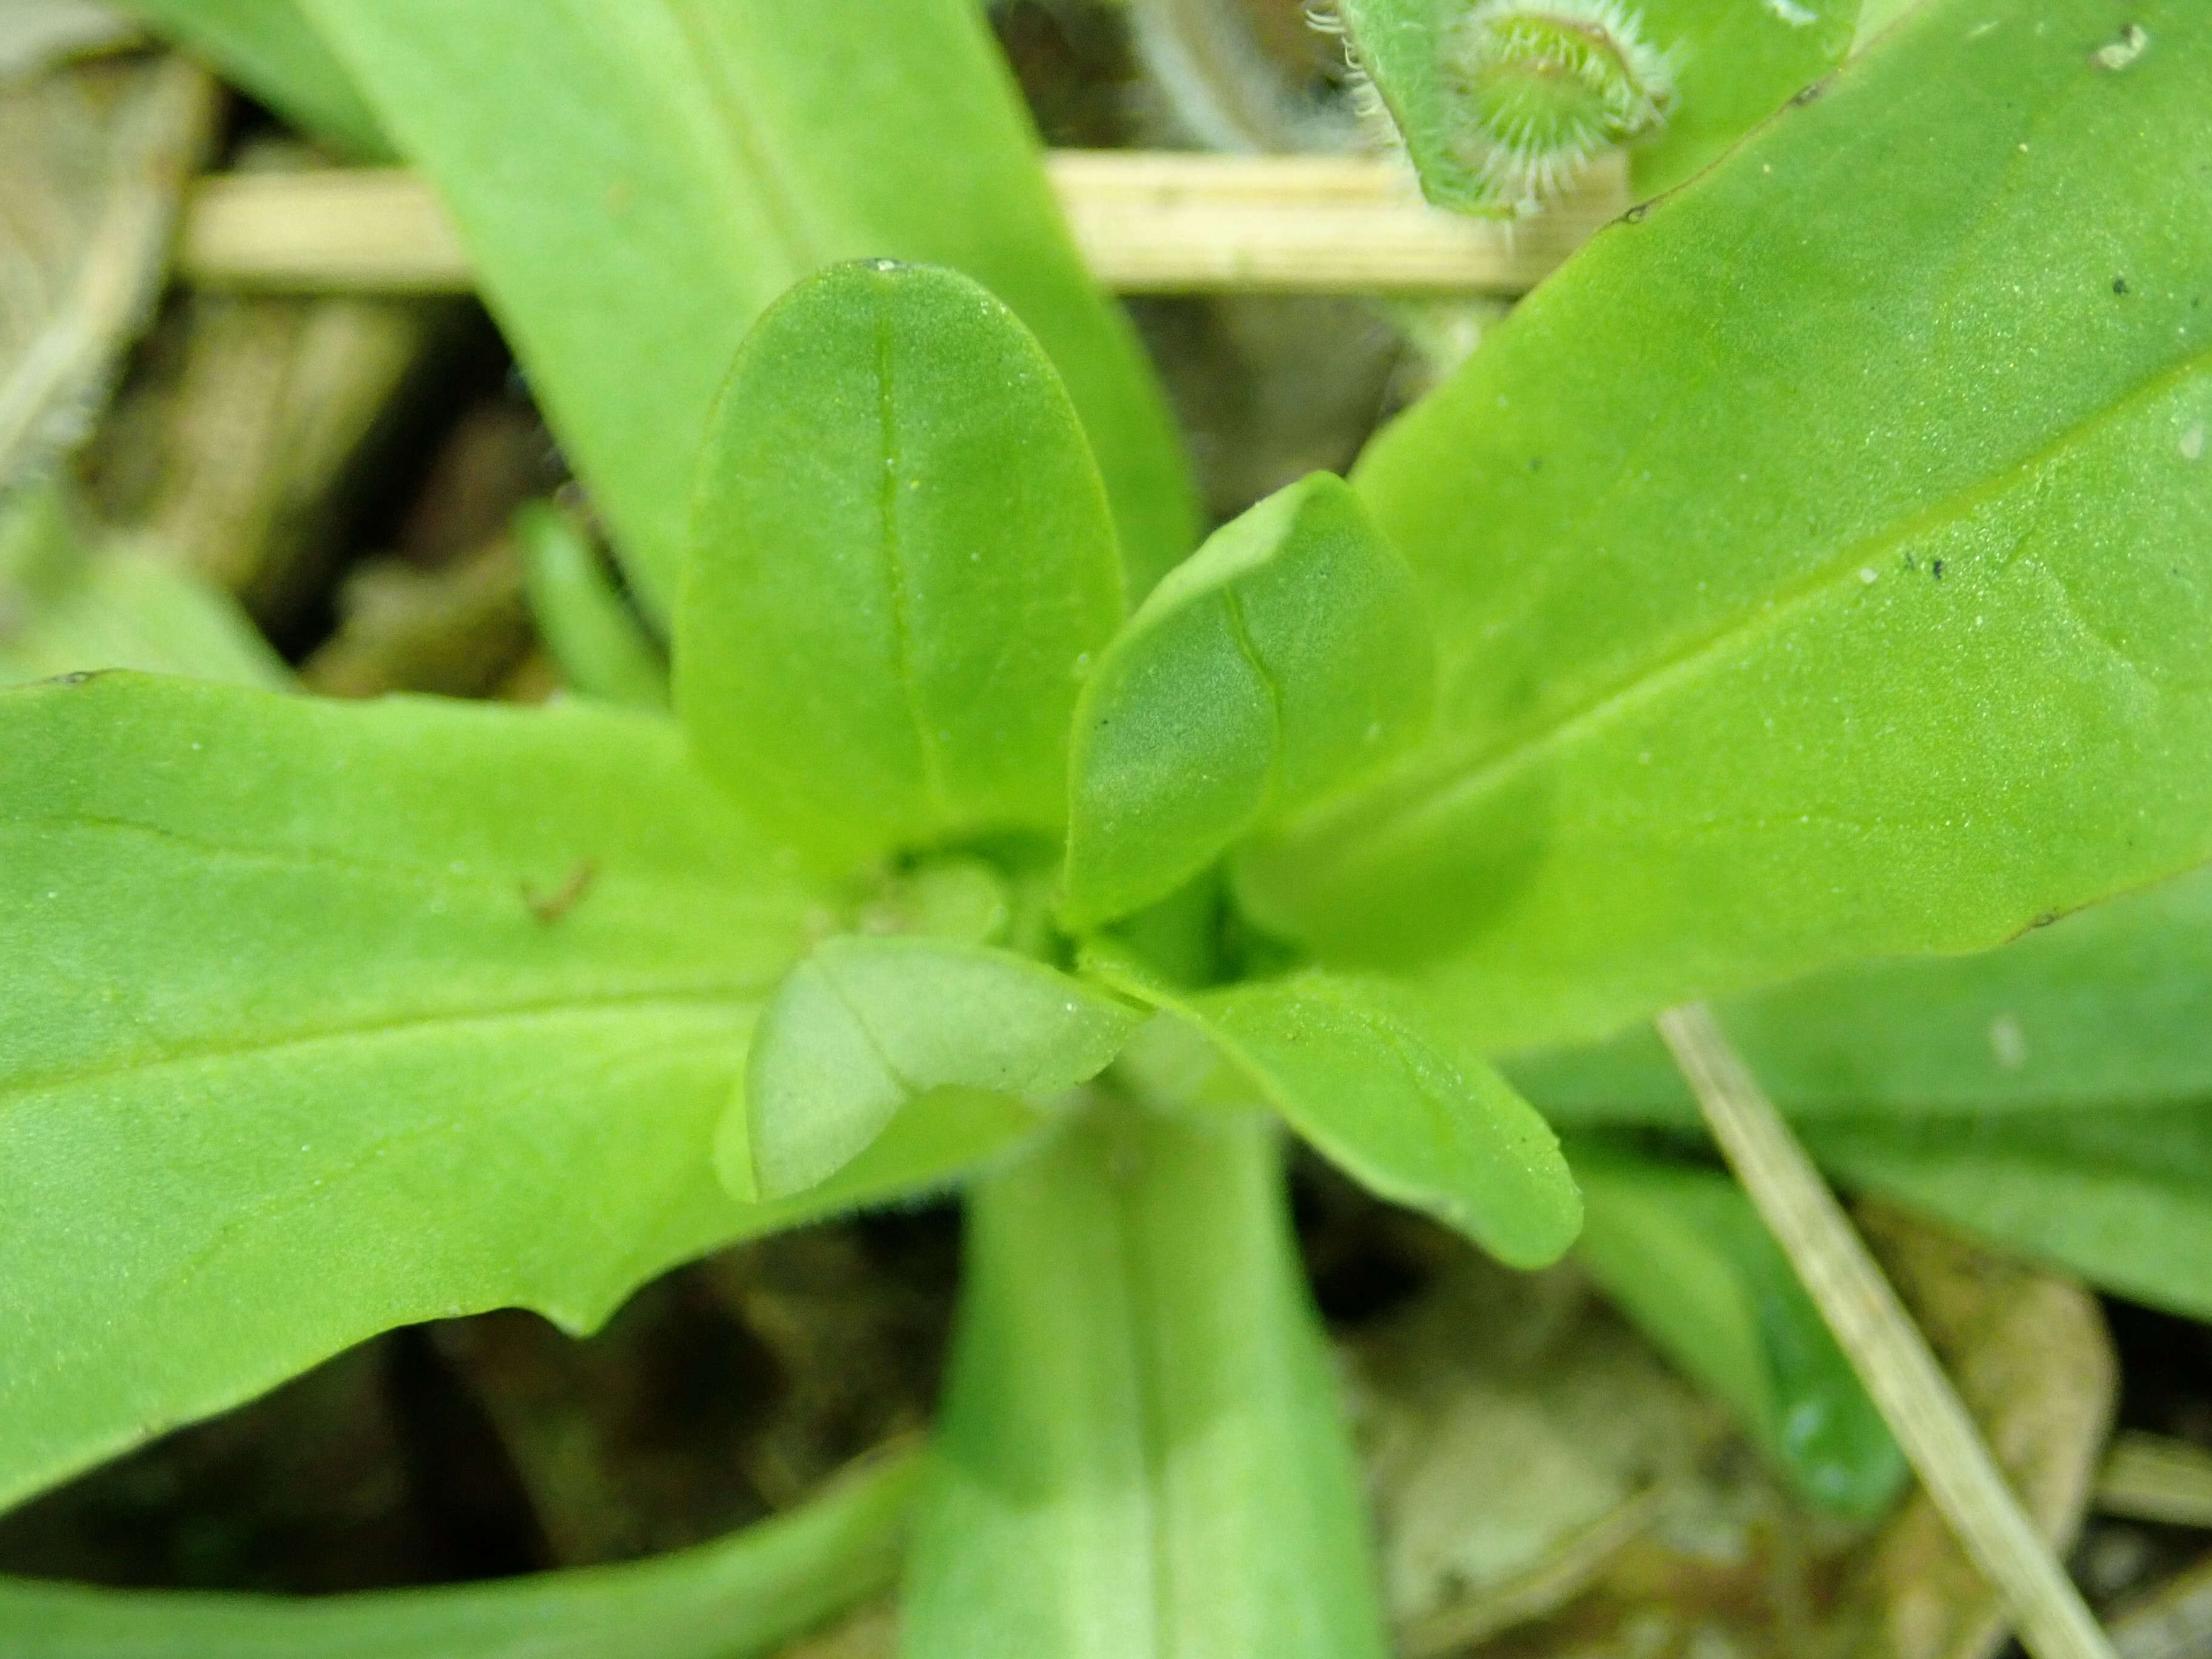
column 1440, row 789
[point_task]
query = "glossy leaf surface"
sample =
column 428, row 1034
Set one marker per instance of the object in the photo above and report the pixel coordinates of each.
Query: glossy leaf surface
column 1285, row 658
column 602, row 648
column 739, row 1595
column 902, row 561
column 270, row 48
column 2124, row 1198
column 330, row 1017
column 1820, row 564
column 1142, row 1453
column 1686, row 1257
column 1383, row 1091
column 637, row 182
column 864, row 1025
column 2105, row 1011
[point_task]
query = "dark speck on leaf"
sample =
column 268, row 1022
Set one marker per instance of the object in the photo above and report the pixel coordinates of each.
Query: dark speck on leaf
column 2119, row 285
column 1536, row 463
column 1806, row 94
column 1937, row 566
column 550, row 907
column 1635, row 214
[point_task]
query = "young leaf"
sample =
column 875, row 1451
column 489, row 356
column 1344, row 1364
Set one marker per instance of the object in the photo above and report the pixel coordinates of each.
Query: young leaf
column 1688, row 1260
column 747, row 1593
column 866, row 1024
column 1141, row 1453
column 1383, row 1092
column 1498, row 102
column 438, row 1004
column 1819, row 562
column 637, row 182
column 2103, row 1010
column 2124, row 1198
column 901, row 563
column 270, row 49
column 603, row 649
column 1284, row 658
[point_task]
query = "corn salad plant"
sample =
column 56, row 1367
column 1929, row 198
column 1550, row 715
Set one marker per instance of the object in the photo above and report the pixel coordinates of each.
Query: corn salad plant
column 1814, row 573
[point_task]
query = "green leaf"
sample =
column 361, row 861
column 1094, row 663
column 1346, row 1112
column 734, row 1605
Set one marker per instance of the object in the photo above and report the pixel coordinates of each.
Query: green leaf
column 1686, row 1257
column 1285, row 658
column 1498, row 104
column 270, row 49
column 1819, row 563
column 2124, row 1198
column 746, row 1594
column 1734, row 64
column 900, row 564
column 1141, row 1452
column 66, row 608
column 602, row 650
column 1381, row 1088
column 438, row 1004
column 2102, row 1010
column 685, row 162
column 866, row 1024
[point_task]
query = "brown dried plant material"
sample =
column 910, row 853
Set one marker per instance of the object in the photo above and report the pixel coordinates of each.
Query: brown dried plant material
column 2034, row 1364
column 1546, row 1488
column 97, row 156
column 458, row 632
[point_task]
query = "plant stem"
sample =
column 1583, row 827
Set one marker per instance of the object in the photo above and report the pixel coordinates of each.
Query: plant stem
column 1142, row 1452
column 1887, row 1349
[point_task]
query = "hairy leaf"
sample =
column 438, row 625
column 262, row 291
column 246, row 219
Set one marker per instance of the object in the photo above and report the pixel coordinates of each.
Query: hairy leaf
column 2124, row 1198
column 2105, row 1011
column 270, row 49
column 1285, row 658
column 1687, row 1258
column 1141, row 1454
column 324, row 1019
column 866, row 1024
column 602, row 650
column 746, row 1593
column 637, row 182
column 902, row 561
column 1820, row 563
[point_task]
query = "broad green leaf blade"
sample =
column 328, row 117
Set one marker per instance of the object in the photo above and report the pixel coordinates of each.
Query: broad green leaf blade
column 2103, row 1010
column 2124, row 1198
column 1869, row 623
column 437, row 1005
column 746, row 1594
column 637, row 182
column 866, row 1024
column 603, row 649
column 270, row 49
column 1141, row 1454
column 900, row 563
column 1686, row 1256
column 1733, row 64
column 1382, row 1092
column 1285, row 658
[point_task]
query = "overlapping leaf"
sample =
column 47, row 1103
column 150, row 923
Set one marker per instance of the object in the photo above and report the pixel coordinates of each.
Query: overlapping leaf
column 1285, row 658
column 1819, row 562
column 902, row 561
column 324, row 1019
column 864, row 1025
column 637, row 182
